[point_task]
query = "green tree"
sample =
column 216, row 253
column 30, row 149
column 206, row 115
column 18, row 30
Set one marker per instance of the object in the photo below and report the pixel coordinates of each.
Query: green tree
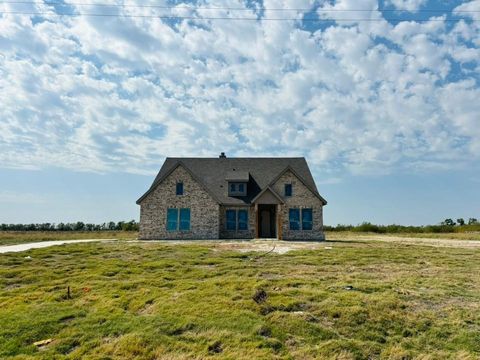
column 472, row 221
column 79, row 226
column 448, row 222
column 461, row 222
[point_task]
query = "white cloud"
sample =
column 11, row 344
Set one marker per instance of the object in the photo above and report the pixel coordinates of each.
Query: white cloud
column 409, row 5
column 119, row 94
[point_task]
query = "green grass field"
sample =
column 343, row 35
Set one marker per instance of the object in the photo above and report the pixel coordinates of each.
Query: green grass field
column 161, row 301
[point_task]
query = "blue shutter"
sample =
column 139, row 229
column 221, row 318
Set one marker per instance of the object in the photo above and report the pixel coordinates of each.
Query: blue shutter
column 241, row 188
column 184, row 219
column 172, row 219
column 294, row 219
column 288, row 189
column 307, row 219
column 179, row 190
column 242, row 220
column 231, row 220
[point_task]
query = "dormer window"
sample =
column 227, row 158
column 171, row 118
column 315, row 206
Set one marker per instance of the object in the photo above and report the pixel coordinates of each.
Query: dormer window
column 288, row 189
column 237, row 182
column 237, row 189
column 179, row 188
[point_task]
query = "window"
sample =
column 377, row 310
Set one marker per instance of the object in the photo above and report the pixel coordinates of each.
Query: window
column 237, row 189
column 178, row 219
column 288, row 189
column 179, row 188
column 172, row 219
column 294, row 219
column 184, row 219
column 307, row 219
column 242, row 220
column 231, row 220
column 237, row 219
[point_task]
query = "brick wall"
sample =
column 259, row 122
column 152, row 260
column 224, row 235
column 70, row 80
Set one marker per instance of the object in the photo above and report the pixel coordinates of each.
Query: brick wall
column 204, row 210
column 301, row 197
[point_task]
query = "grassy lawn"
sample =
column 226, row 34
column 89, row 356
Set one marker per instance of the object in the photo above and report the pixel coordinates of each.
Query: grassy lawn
column 18, row 237
column 160, row 301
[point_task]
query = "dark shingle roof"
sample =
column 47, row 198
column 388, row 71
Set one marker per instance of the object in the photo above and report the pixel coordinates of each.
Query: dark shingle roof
column 212, row 173
column 237, row 176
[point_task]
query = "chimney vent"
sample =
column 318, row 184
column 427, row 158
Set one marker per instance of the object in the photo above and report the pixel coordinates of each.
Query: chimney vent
column 222, row 155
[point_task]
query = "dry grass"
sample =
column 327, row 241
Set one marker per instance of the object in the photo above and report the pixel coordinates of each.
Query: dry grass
column 351, row 235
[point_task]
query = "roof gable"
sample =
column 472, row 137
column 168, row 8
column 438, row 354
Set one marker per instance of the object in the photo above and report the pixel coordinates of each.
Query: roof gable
column 268, row 192
column 313, row 190
column 158, row 180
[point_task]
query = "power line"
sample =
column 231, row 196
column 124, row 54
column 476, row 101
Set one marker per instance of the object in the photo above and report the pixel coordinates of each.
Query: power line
column 230, row 8
column 170, row 17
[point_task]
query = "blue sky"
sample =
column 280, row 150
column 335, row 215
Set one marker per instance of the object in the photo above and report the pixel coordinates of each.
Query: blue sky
column 384, row 106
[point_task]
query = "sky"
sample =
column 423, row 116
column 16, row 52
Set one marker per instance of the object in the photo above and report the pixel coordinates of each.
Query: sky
column 381, row 97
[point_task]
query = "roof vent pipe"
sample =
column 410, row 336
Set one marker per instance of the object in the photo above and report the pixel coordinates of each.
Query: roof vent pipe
column 222, row 155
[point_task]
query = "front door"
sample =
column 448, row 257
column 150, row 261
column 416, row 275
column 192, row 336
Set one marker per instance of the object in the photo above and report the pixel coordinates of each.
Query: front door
column 266, row 221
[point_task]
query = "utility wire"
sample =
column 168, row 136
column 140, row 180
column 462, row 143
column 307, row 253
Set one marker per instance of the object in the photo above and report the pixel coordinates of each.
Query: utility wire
column 231, row 8
column 171, row 17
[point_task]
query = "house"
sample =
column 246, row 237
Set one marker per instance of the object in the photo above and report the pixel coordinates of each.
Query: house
column 232, row 198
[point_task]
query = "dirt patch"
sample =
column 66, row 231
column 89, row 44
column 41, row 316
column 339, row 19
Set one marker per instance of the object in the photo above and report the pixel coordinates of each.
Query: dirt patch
column 275, row 246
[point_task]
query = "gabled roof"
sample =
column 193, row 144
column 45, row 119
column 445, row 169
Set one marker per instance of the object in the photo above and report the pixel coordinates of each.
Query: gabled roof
column 212, row 173
column 273, row 192
column 314, row 189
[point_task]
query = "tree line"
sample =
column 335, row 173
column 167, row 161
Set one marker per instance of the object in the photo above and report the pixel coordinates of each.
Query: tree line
column 74, row 226
column 446, row 226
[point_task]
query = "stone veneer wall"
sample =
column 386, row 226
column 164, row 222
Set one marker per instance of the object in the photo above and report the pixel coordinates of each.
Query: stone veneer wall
column 237, row 234
column 204, row 210
column 301, row 197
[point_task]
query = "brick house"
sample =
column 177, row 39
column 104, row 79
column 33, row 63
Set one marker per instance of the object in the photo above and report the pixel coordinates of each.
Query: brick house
column 232, row 198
